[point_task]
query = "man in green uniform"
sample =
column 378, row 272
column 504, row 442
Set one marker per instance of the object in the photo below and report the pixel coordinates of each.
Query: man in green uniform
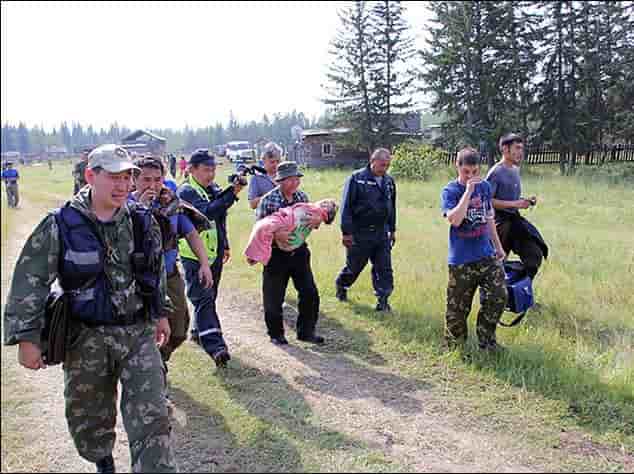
column 79, row 170
column 89, row 247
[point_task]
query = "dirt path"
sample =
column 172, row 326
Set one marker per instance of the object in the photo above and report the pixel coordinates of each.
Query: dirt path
column 362, row 398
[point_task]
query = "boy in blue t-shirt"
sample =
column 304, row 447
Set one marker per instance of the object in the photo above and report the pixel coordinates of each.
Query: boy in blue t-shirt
column 475, row 254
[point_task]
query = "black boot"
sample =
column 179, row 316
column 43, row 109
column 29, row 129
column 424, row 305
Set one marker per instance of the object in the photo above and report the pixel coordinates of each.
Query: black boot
column 342, row 293
column 106, row 464
column 382, row 305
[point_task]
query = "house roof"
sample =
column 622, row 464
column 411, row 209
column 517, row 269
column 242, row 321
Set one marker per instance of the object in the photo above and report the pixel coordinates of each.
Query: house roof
column 315, row 132
column 139, row 133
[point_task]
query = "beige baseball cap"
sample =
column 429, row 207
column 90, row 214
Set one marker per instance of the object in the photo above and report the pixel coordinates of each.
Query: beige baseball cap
column 112, row 158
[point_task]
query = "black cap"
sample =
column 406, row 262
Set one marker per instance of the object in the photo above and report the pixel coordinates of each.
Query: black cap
column 202, row 157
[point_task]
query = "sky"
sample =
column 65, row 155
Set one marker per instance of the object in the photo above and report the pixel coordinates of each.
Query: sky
column 167, row 64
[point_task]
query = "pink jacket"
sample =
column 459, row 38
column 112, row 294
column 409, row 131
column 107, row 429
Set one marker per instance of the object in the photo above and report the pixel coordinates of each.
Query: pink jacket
column 293, row 218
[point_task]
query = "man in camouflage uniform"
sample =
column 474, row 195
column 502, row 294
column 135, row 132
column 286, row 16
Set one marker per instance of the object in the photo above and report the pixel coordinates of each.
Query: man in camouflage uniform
column 79, row 171
column 100, row 354
column 475, row 255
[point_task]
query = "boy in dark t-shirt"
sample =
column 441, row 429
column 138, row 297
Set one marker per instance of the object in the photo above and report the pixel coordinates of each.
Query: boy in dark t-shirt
column 475, row 254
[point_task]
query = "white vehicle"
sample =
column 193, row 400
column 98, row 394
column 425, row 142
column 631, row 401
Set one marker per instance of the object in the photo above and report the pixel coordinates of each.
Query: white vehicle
column 240, row 151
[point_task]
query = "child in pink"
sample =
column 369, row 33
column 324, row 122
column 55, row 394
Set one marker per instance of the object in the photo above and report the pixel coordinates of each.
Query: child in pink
column 292, row 219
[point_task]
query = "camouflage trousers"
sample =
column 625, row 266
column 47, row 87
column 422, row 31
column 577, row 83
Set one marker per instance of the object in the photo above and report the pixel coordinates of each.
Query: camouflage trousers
column 13, row 196
column 97, row 359
column 179, row 318
column 488, row 274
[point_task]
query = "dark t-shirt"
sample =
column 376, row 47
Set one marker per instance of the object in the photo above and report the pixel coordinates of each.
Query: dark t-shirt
column 505, row 184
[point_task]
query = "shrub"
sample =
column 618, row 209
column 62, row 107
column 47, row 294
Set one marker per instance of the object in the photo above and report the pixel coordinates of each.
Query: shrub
column 417, row 161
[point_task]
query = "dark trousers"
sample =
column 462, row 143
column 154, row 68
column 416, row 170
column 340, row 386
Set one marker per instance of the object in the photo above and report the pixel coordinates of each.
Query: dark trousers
column 522, row 244
column 376, row 248
column 204, row 301
column 275, row 276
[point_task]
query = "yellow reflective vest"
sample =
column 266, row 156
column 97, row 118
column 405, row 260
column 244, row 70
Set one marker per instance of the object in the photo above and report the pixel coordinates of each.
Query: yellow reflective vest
column 209, row 236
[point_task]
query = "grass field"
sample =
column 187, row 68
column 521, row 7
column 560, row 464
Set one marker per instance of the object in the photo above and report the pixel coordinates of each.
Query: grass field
column 570, row 365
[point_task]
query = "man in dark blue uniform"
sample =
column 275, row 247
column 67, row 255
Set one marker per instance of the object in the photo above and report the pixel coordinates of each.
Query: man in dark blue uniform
column 204, row 194
column 368, row 227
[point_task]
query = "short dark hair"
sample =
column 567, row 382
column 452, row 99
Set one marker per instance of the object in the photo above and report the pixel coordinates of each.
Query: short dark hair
column 149, row 162
column 468, row 156
column 509, row 139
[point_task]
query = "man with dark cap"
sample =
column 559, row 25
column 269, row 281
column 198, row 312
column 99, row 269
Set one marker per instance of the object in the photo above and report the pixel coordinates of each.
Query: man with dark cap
column 284, row 265
column 368, row 228
column 206, row 196
column 515, row 232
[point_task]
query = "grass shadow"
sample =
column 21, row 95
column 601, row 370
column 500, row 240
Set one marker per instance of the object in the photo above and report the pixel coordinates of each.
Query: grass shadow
column 283, row 409
column 342, row 377
column 205, row 442
column 590, row 401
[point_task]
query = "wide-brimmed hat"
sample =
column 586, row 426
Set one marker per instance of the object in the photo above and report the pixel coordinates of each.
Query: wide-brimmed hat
column 287, row 169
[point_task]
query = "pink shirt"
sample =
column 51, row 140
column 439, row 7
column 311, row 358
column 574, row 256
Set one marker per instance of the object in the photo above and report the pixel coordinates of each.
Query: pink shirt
column 293, row 218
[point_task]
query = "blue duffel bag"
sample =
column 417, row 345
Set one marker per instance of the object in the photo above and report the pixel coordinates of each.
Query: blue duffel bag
column 519, row 287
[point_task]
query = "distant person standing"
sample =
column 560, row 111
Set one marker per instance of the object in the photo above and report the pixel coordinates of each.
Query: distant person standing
column 10, row 177
column 79, row 170
column 172, row 165
column 182, row 166
column 50, row 164
column 260, row 184
column 516, row 233
column 368, row 228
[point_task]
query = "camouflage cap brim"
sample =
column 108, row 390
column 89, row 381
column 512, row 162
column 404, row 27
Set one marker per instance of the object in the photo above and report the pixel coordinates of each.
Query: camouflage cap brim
column 118, row 167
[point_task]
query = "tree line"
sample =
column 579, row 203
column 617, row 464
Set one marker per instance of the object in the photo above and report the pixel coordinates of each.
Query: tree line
column 559, row 72
column 277, row 127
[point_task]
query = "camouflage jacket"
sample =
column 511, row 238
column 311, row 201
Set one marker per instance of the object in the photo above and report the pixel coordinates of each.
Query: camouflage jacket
column 37, row 270
column 78, row 174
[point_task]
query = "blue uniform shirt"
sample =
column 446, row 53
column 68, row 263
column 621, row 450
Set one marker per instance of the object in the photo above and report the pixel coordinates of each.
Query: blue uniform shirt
column 10, row 174
column 469, row 242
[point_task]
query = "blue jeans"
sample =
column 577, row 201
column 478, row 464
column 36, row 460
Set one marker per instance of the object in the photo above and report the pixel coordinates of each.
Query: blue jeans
column 204, row 300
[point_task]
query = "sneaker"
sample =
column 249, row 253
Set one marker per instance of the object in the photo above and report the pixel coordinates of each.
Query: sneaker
column 221, row 358
column 194, row 337
column 342, row 293
column 382, row 305
column 312, row 338
column 279, row 340
column 106, row 464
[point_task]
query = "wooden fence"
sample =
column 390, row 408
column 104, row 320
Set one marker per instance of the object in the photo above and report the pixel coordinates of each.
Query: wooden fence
column 545, row 155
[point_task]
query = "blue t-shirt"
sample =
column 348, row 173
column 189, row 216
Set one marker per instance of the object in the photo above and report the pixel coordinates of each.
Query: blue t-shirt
column 181, row 226
column 10, row 174
column 470, row 242
column 505, row 184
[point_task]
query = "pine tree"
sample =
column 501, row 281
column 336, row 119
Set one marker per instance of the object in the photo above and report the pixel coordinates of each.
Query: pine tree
column 392, row 75
column 459, row 70
column 348, row 76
